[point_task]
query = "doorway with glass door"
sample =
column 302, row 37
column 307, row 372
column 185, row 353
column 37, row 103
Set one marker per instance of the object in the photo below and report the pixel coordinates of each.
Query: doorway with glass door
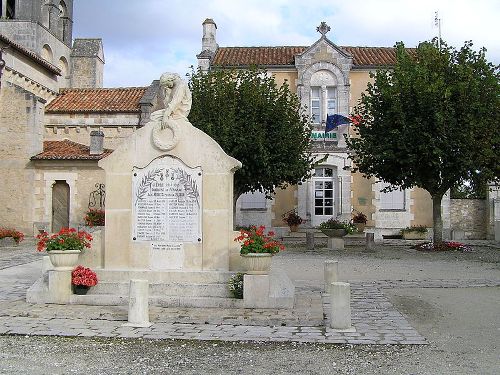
column 323, row 202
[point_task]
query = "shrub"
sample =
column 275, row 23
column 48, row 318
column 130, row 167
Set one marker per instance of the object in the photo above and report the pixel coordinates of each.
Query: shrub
column 359, row 218
column 292, row 218
column 415, row 228
column 94, row 217
column 236, row 285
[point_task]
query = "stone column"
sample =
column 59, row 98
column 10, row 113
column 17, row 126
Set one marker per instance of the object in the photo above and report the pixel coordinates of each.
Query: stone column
column 138, row 307
column 331, row 274
column 340, row 305
column 4, row 9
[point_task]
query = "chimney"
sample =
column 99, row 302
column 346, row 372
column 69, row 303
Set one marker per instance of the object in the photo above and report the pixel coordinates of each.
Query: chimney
column 96, row 142
column 208, row 42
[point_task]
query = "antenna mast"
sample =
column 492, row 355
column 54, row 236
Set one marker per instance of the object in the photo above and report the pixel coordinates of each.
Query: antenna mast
column 437, row 22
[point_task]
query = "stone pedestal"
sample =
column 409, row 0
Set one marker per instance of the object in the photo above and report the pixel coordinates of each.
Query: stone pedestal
column 331, row 274
column 138, row 308
column 340, row 305
column 268, row 291
column 59, row 286
column 336, row 243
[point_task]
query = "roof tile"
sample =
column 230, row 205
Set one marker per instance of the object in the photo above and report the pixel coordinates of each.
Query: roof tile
column 67, row 150
column 123, row 99
column 285, row 56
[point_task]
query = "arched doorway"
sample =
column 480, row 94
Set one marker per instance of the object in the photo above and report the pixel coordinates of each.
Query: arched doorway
column 60, row 206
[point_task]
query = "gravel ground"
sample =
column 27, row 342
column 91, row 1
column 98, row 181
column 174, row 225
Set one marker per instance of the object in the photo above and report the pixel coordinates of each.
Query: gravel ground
column 461, row 324
column 43, row 355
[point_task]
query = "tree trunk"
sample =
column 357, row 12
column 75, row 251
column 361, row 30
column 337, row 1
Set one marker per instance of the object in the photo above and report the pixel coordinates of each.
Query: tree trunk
column 436, row 218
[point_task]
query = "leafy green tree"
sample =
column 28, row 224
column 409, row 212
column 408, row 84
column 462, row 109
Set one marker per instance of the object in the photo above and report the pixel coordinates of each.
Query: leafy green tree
column 258, row 123
column 432, row 122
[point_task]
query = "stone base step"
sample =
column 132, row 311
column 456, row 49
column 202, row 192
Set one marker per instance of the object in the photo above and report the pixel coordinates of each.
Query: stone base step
column 357, row 239
column 165, row 277
column 161, row 301
column 165, row 289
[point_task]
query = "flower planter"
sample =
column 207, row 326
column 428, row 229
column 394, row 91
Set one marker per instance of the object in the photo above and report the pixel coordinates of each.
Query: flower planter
column 64, row 260
column 256, row 264
column 337, row 233
column 360, row 227
column 8, row 242
column 81, row 290
column 414, row 236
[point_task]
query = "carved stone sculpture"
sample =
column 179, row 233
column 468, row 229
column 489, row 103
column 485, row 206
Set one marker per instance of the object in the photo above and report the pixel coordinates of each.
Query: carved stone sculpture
column 177, row 101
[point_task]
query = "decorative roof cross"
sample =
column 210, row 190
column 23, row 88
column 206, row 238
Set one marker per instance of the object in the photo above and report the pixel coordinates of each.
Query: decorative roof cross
column 323, row 28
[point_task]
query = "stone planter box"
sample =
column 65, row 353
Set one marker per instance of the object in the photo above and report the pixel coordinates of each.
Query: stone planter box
column 64, row 260
column 337, row 233
column 8, row 242
column 415, row 236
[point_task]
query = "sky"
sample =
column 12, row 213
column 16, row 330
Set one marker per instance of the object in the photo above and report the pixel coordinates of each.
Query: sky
column 142, row 39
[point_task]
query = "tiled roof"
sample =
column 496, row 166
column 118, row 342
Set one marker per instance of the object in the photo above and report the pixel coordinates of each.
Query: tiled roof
column 52, row 68
column 123, row 99
column 67, row 150
column 285, row 56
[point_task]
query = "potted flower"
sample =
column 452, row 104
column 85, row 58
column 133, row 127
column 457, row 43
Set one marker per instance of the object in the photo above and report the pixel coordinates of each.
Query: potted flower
column 64, row 247
column 10, row 237
column 335, row 228
column 359, row 220
column 94, row 218
column 257, row 248
column 293, row 220
column 415, row 232
column 82, row 278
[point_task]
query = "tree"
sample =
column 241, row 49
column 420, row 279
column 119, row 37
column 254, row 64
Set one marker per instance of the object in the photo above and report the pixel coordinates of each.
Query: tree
column 258, row 123
column 431, row 122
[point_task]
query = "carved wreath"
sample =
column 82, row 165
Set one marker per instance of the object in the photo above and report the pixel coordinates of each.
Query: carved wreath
column 190, row 185
column 146, row 182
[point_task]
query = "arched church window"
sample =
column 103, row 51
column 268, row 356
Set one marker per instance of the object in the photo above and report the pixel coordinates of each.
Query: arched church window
column 47, row 53
column 63, row 20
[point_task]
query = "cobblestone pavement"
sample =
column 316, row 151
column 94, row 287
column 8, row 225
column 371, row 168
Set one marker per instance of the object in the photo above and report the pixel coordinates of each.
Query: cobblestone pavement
column 374, row 318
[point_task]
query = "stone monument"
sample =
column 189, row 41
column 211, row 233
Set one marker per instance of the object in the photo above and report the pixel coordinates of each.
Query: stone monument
column 169, row 221
column 169, row 189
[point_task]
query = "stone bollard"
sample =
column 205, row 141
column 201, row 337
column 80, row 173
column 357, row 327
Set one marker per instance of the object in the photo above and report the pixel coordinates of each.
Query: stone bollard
column 310, row 240
column 370, row 242
column 138, row 307
column 331, row 274
column 340, row 305
column 336, row 243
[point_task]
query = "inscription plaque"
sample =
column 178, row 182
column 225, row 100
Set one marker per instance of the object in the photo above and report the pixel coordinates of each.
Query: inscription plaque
column 167, row 202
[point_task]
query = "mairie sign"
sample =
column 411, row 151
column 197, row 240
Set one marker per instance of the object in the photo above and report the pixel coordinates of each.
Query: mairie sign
column 318, row 135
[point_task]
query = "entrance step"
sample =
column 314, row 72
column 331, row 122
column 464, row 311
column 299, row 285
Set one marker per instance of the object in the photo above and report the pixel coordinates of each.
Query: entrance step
column 165, row 289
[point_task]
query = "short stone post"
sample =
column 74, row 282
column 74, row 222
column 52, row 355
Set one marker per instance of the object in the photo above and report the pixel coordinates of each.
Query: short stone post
column 138, row 306
column 331, row 274
column 336, row 243
column 370, row 242
column 340, row 305
column 310, row 240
